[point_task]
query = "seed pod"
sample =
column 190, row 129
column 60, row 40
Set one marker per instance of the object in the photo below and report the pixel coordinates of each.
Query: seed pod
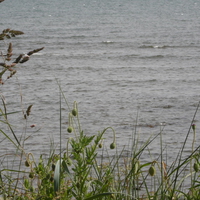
column 31, row 175
column 152, row 171
column 100, row 145
column 27, row 164
column 69, row 161
column 53, row 167
column 135, row 165
column 74, row 112
column 196, row 167
column 31, row 189
column 69, row 129
column 112, row 145
column 193, row 127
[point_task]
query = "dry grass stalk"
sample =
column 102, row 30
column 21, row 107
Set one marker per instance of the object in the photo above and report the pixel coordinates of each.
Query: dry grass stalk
column 28, row 111
column 8, row 33
column 22, row 58
column 9, row 52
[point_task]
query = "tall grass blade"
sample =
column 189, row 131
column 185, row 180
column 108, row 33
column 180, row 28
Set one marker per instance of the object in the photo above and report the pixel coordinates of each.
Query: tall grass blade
column 9, row 113
column 57, row 176
column 6, row 119
column 16, row 145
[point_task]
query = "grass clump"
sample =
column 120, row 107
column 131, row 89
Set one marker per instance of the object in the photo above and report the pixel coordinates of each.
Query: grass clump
column 88, row 168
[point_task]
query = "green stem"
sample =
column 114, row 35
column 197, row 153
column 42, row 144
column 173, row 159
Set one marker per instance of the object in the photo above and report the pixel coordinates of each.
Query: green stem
column 194, row 138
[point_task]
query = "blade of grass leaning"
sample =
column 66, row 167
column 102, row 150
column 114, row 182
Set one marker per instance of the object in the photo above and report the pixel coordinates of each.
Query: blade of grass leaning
column 58, row 164
column 6, row 119
column 182, row 179
column 63, row 94
column 179, row 156
column 9, row 113
column 57, row 173
column 16, row 145
column 60, row 132
column 57, row 176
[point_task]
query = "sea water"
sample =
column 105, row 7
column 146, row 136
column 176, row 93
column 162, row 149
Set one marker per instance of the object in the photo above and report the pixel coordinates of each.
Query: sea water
column 133, row 65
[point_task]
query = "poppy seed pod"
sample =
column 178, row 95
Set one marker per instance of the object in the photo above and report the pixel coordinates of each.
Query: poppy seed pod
column 31, row 175
column 196, row 167
column 100, row 145
column 152, row 171
column 27, row 164
column 112, row 196
column 69, row 129
column 69, row 161
column 74, row 112
column 112, row 145
column 193, row 127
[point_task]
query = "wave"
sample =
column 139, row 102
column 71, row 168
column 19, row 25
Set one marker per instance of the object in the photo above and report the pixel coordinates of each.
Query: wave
column 153, row 47
column 140, row 56
column 107, row 42
column 153, row 56
column 167, row 46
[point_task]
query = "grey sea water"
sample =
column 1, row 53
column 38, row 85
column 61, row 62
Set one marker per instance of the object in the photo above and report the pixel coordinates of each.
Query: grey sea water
column 126, row 63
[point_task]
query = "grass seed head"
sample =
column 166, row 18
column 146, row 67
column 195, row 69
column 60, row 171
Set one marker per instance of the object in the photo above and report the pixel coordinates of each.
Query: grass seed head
column 28, row 111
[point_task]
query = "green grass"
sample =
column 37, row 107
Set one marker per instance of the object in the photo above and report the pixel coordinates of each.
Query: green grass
column 88, row 169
